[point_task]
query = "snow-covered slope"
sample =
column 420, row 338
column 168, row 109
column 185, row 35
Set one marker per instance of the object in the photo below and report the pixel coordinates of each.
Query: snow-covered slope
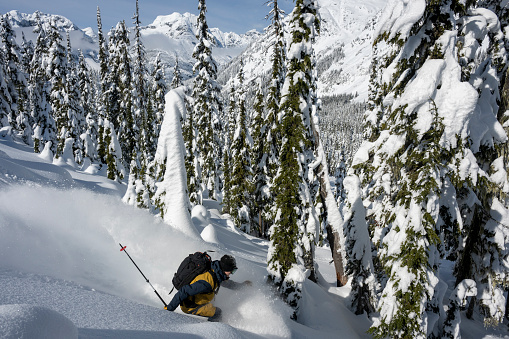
column 60, row 230
column 80, row 39
column 61, row 265
column 343, row 48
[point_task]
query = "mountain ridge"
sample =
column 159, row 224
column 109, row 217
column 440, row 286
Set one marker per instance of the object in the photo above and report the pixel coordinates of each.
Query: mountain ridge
column 171, row 36
column 343, row 48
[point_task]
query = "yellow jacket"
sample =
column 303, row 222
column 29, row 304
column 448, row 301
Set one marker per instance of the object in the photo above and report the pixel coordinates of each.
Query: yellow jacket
column 199, row 299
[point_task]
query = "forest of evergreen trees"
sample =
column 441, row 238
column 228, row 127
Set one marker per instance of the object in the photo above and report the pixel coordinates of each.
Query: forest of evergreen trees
column 420, row 170
column 57, row 104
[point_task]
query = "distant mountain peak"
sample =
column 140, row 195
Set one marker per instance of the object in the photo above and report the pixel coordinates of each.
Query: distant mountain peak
column 184, row 26
column 19, row 19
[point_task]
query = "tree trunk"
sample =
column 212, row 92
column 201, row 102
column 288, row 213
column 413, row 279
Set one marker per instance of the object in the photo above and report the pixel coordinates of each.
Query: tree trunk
column 507, row 304
column 331, row 209
column 335, row 247
column 504, row 97
column 465, row 262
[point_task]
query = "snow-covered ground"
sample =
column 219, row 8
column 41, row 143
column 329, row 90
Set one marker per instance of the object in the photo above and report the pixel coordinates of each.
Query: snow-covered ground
column 62, row 273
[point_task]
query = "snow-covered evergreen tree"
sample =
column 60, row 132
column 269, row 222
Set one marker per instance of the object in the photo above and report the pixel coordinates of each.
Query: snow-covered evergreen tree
column 339, row 175
column 27, row 53
column 191, row 157
column 14, row 77
column 273, row 141
column 293, row 235
column 158, row 91
column 177, row 76
column 229, row 130
column 5, row 97
column 206, row 109
column 240, row 193
column 57, row 74
column 24, row 121
column 115, row 168
column 75, row 108
column 119, row 92
column 104, row 103
column 431, row 122
column 139, row 191
column 484, row 256
column 261, row 183
column 171, row 198
column 358, row 249
column 44, row 123
column 90, row 135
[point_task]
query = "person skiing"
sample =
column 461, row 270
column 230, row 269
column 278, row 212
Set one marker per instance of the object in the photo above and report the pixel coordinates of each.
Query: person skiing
column 196, row 297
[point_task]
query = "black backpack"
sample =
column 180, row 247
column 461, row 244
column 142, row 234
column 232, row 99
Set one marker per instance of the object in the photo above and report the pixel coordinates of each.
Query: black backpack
column 192, row 266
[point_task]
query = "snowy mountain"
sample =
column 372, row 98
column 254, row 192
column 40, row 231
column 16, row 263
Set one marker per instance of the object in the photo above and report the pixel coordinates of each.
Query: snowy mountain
column 80, row 39
column 343, row 48
column 19, row 19
column 174, row 36
column 171, row 36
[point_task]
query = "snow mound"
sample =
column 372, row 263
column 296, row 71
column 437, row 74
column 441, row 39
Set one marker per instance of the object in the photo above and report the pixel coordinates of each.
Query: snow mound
column 209, row 234
column 26, row 321
column 200, row 215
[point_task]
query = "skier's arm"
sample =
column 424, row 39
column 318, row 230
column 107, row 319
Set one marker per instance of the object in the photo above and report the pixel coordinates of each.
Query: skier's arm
column 198, row 287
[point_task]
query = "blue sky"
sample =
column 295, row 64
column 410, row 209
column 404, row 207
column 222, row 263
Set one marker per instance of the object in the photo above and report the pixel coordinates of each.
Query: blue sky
column 228, row 15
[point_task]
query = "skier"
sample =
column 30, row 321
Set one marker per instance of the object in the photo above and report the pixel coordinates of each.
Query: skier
column 196, row 297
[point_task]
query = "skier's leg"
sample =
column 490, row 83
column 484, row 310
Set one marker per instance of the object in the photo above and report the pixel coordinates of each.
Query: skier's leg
column 207, row 310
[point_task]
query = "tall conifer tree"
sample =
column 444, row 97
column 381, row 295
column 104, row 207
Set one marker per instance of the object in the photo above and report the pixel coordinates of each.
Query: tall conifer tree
column 272, row 135
column 423, row 204
column 90, row 136
column 44, row 124
column 75, row 109
column 57, row 75
column 103, row 107
column 14, row 77
column 5, row 97
column 120, row 81
column 177, row 76
column 242, row 172
column 229, row 128
column 293, row 235
column 159, row 89
column 139, row 190
column 206, row 110
column 261, row 184
column 191, row 163
column 24, row 121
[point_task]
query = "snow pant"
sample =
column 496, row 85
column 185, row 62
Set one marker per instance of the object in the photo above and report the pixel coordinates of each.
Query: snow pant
column 205, row 310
